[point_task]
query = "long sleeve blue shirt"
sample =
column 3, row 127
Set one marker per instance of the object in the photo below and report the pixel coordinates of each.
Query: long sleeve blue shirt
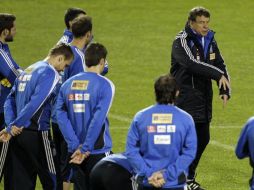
column 29, row 100
column 162, row 138
column 9, row 70
column 82, row 107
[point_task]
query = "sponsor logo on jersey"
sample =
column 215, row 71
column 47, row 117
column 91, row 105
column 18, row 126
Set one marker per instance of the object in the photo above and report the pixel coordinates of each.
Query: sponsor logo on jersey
column 71, row 97
column 86, row 96
column 161, row 129
column 159, row 118
column 78, row 96
column 79, row 84
column 162, row 139
column 79, row 108
column 151, row 129
column 171, row 128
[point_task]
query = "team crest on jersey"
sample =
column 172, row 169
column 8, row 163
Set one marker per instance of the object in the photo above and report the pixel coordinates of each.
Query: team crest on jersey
column 71, row 97
column 151, row 129
column 79, row 84
column 212, row 56
column 159, row 118
column 22, row 87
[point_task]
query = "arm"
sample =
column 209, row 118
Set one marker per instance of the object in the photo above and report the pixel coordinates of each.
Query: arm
column 180, row 167
column 43, row 89
column 182, row 54
column 219, row 62
column 64, row 122
column 99, row 117
column 10, row 112
column 242, row 149
column 8, row 69
column 133, row 152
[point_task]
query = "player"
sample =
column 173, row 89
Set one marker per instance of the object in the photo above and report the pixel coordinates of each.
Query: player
column 82, row 107
column 161, row 142
column 27, row 115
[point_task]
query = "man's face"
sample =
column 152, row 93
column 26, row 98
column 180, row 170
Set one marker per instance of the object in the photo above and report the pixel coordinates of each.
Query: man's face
column 11, row 33
column 62, row 63
column 201, row 25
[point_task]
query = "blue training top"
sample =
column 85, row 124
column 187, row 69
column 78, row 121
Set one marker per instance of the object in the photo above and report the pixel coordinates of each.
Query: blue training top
column 162, row 138
column 29, row 100
column 82, row 107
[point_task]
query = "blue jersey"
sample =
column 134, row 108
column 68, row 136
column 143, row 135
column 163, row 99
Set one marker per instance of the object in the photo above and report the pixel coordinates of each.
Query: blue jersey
column 245, row 145
column 9, row 70
column 29, row 100
column 66, row 38
column 82, row 107
column 77, row 65
column 162, row 138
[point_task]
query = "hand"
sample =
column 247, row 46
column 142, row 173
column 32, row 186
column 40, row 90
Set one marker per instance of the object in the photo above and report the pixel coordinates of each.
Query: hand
column 78, row 157
column 4, row 136
column 16, row 130
column 156, row 179
column 224, row 98
column 223, row 82
column 5, row 82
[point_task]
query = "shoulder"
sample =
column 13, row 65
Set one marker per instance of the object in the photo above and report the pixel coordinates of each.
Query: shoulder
column 181, row 35
column 184, row 115
column 144, row 112
column 105, row 81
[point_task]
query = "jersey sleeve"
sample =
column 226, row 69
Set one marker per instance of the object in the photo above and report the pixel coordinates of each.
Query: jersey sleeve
column 133, row 151
column 10, row 112
column 99, row 117
column 44, row 87
column 64, row 122
column 8, row 69
column 179, row 168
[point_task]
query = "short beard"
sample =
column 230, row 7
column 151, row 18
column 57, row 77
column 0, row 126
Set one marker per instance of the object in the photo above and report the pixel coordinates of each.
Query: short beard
column 9, row 38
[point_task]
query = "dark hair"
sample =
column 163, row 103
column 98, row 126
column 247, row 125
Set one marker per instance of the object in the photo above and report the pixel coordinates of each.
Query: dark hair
column 6, row 21
column 198, row 11
column 165, row 88
column 81, row 26
column 71, row 14
column 62, row 49
column 94, row 53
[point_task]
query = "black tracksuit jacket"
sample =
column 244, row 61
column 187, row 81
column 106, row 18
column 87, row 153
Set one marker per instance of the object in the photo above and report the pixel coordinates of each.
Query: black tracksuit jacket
column 195, row 71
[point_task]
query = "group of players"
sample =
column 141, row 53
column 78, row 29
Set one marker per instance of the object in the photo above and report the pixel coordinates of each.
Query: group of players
column 69, row 89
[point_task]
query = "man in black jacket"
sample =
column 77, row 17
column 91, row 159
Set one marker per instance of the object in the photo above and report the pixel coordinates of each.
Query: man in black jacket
column 196, row 61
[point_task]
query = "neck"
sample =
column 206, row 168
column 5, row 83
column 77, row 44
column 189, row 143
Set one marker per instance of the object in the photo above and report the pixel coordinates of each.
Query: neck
column 93, row 69
column 79, row 43
column 2, row 40
column 49, row 60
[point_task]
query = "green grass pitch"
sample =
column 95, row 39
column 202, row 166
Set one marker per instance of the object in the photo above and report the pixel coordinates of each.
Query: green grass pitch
column 138, row 36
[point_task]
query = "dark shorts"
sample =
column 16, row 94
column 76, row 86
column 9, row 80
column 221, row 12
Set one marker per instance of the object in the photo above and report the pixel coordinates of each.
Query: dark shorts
column 108, row 175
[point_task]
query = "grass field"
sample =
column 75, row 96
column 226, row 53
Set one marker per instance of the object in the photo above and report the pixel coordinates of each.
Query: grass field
column 138, row 36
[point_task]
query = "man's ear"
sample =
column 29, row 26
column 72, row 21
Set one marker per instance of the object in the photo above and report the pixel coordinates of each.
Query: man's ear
column 5, row 32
